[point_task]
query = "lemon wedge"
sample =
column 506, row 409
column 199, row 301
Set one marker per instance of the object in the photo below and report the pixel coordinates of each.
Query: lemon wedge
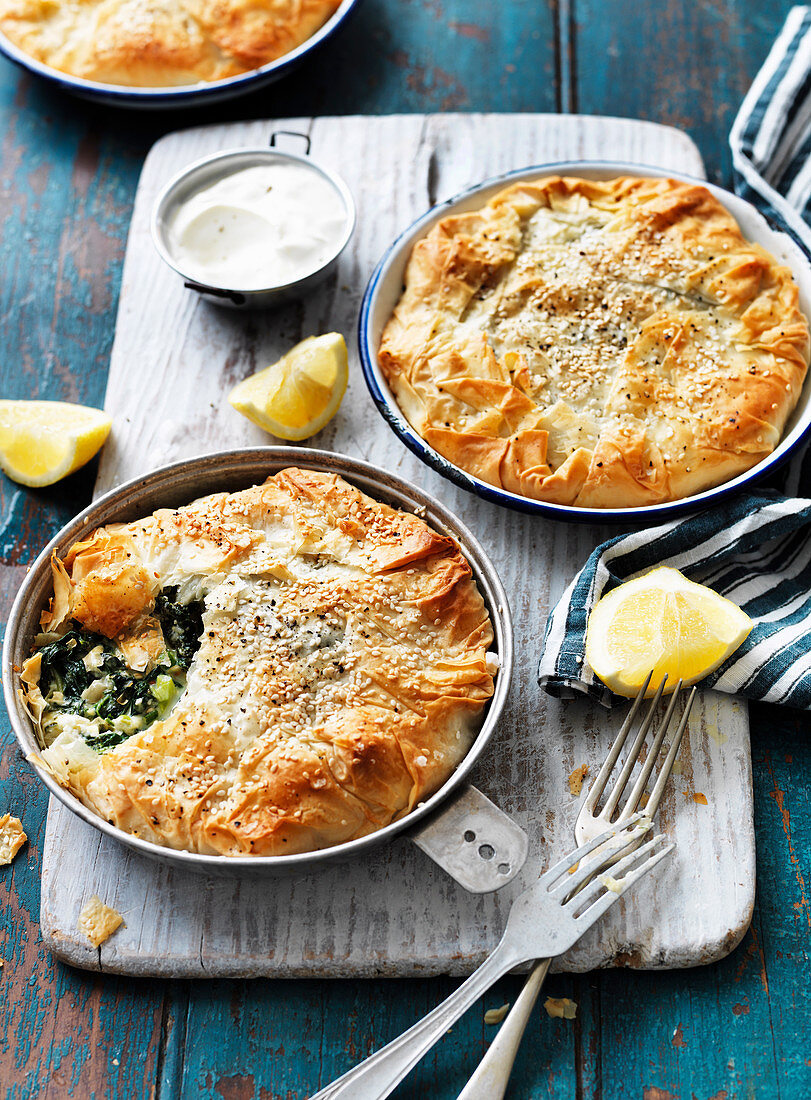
column 44, row 441
column 297, row 396
column 665, row 622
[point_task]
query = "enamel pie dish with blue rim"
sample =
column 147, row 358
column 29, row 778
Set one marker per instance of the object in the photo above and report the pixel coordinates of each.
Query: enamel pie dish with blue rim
column 182, row 95
column 386, row 285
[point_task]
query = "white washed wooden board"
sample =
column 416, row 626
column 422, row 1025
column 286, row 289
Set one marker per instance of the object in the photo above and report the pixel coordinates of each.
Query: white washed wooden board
column 174, row 359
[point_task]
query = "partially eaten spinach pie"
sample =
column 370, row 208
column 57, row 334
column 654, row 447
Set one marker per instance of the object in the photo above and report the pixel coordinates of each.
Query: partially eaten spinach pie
column 265, row 672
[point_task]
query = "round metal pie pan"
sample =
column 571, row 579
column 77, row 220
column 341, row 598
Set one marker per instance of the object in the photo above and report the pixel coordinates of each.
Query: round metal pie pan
column 386, row 285
column 228, row 471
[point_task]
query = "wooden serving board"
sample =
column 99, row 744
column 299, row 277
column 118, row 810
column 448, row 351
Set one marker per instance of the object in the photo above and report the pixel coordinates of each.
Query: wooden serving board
column 175, row 358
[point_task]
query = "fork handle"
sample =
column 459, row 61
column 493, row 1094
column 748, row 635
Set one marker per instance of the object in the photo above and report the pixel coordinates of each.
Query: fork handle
column 489, row 1082
column 379, row 1074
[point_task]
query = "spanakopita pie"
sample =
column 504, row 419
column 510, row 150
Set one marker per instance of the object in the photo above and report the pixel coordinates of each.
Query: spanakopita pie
column 141, row 43
column 265, row 672
column 604, row 344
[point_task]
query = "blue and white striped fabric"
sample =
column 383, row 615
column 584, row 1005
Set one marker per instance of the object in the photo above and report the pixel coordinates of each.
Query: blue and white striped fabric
column 756, row 549
column 771, row 157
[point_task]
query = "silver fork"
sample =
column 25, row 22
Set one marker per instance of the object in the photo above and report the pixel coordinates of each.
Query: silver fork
column 545, row 920
column 589, row 823
column 489, row 1081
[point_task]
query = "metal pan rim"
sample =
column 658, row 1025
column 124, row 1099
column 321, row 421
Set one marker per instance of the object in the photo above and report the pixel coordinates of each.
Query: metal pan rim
column 248, row 466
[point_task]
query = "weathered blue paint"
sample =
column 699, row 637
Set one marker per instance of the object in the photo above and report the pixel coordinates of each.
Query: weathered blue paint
column 737, row 1029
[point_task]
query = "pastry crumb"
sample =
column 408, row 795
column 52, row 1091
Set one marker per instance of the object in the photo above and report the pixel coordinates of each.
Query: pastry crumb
column 12, row 838
column 496, row 1015
column 560, row 1008
column 98, row 921
column 576, row 779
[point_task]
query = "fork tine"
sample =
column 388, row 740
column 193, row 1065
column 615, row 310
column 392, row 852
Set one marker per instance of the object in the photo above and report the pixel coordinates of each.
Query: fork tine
column 633, row 755
column 667, row 767
column 609, row 853
column 638, row 788
column 605, row 901
column 573, row 859
column 598, row 786
column 581, row 899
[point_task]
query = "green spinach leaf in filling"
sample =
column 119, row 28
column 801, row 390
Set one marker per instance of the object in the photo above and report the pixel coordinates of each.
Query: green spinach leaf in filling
column 182, row 625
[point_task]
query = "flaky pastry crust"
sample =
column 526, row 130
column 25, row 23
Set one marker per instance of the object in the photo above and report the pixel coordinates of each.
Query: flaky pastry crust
column 145, row 43
column 342, row 672
column 603, row 344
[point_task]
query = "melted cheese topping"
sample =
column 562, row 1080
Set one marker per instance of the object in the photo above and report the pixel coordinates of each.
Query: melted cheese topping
column 342, row 670
column 601, row 344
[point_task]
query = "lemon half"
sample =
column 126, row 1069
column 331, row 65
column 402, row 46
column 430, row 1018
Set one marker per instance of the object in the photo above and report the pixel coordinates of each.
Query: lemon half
column 664, row 622
column 295, row 397
column 44, row 441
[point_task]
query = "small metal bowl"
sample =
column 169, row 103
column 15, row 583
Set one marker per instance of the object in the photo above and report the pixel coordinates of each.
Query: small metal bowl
column 210, row 170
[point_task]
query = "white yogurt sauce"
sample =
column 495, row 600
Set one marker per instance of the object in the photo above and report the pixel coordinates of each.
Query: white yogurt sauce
column 258, row 228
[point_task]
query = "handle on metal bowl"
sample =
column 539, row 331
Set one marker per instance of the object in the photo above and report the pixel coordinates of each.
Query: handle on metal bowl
column 474, row 841
column 231, row 295
column 291, row 133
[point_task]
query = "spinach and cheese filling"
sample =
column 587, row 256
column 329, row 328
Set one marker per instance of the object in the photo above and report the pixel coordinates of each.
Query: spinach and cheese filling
column 264, row 672
column 85, row 676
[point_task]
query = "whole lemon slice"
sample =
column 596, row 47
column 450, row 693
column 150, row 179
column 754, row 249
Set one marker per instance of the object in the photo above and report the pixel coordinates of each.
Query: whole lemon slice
column 664, row 622
column 297, row 396
column 44, row 441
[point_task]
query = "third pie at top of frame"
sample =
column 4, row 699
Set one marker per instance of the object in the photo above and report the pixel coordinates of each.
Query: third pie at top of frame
column 605, row 344
column 142, row 44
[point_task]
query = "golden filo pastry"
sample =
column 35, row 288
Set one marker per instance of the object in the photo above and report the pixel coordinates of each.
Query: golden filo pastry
column 267, row 672
column 605, row 344
column 145, row 43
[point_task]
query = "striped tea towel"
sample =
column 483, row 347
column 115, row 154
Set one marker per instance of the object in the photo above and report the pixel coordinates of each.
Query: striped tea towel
column 771, row 157
column 756, row 549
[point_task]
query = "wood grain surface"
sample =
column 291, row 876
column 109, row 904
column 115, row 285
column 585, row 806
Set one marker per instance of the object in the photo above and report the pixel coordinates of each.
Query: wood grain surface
column 736, row 1029
column 392, row 912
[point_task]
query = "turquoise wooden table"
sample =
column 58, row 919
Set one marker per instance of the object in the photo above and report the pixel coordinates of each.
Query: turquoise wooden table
column 739, row 1028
